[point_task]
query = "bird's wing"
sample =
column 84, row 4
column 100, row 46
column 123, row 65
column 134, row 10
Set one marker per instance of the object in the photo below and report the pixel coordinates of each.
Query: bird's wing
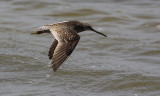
column 63, row 51
column 52, row 48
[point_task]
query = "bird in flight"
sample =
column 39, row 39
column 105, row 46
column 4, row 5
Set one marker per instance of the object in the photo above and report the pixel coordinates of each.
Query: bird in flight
column 66, row 39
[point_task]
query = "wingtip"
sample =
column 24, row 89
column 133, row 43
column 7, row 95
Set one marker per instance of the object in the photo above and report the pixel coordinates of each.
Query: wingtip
column 54, row 69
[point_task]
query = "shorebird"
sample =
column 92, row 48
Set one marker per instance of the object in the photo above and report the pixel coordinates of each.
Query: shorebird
column 66, row 39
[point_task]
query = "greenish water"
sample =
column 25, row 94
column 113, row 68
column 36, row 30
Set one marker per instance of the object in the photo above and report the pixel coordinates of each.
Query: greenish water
column 126, row 63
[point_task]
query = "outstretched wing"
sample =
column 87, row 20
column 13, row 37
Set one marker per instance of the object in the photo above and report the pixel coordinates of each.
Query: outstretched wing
column 52, row 48
column 63, row 51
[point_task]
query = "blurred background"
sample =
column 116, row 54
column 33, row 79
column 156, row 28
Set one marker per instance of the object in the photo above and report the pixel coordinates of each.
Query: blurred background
column 126, row 63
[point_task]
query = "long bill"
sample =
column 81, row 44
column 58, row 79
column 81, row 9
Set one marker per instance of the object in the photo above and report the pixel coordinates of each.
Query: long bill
column 98, row 32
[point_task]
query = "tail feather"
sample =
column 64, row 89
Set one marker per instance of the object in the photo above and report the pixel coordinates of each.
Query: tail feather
column 43, row 29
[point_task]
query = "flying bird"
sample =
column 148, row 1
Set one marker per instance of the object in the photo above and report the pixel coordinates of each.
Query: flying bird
column 66, row 39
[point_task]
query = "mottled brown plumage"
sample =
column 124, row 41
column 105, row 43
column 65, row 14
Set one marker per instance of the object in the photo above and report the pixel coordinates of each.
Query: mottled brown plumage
column 52, row 48
column 66, row 39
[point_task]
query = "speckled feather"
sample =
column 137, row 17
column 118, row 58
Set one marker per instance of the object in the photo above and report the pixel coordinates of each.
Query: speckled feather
column 66, row 39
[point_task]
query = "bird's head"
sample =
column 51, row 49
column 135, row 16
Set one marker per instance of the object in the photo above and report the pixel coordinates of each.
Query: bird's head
column 86, row 27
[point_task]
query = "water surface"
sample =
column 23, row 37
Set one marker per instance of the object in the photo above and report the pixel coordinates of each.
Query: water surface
column 126, row 63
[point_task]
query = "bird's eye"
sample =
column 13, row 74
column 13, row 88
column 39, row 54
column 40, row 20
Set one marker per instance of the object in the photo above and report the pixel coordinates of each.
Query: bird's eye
column 89, row 27
column 79, row 28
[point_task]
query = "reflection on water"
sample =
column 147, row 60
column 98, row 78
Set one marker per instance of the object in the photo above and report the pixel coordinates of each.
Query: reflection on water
column 126, row 63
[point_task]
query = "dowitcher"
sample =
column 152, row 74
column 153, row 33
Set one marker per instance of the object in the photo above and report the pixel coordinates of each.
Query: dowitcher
column 66, row 39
